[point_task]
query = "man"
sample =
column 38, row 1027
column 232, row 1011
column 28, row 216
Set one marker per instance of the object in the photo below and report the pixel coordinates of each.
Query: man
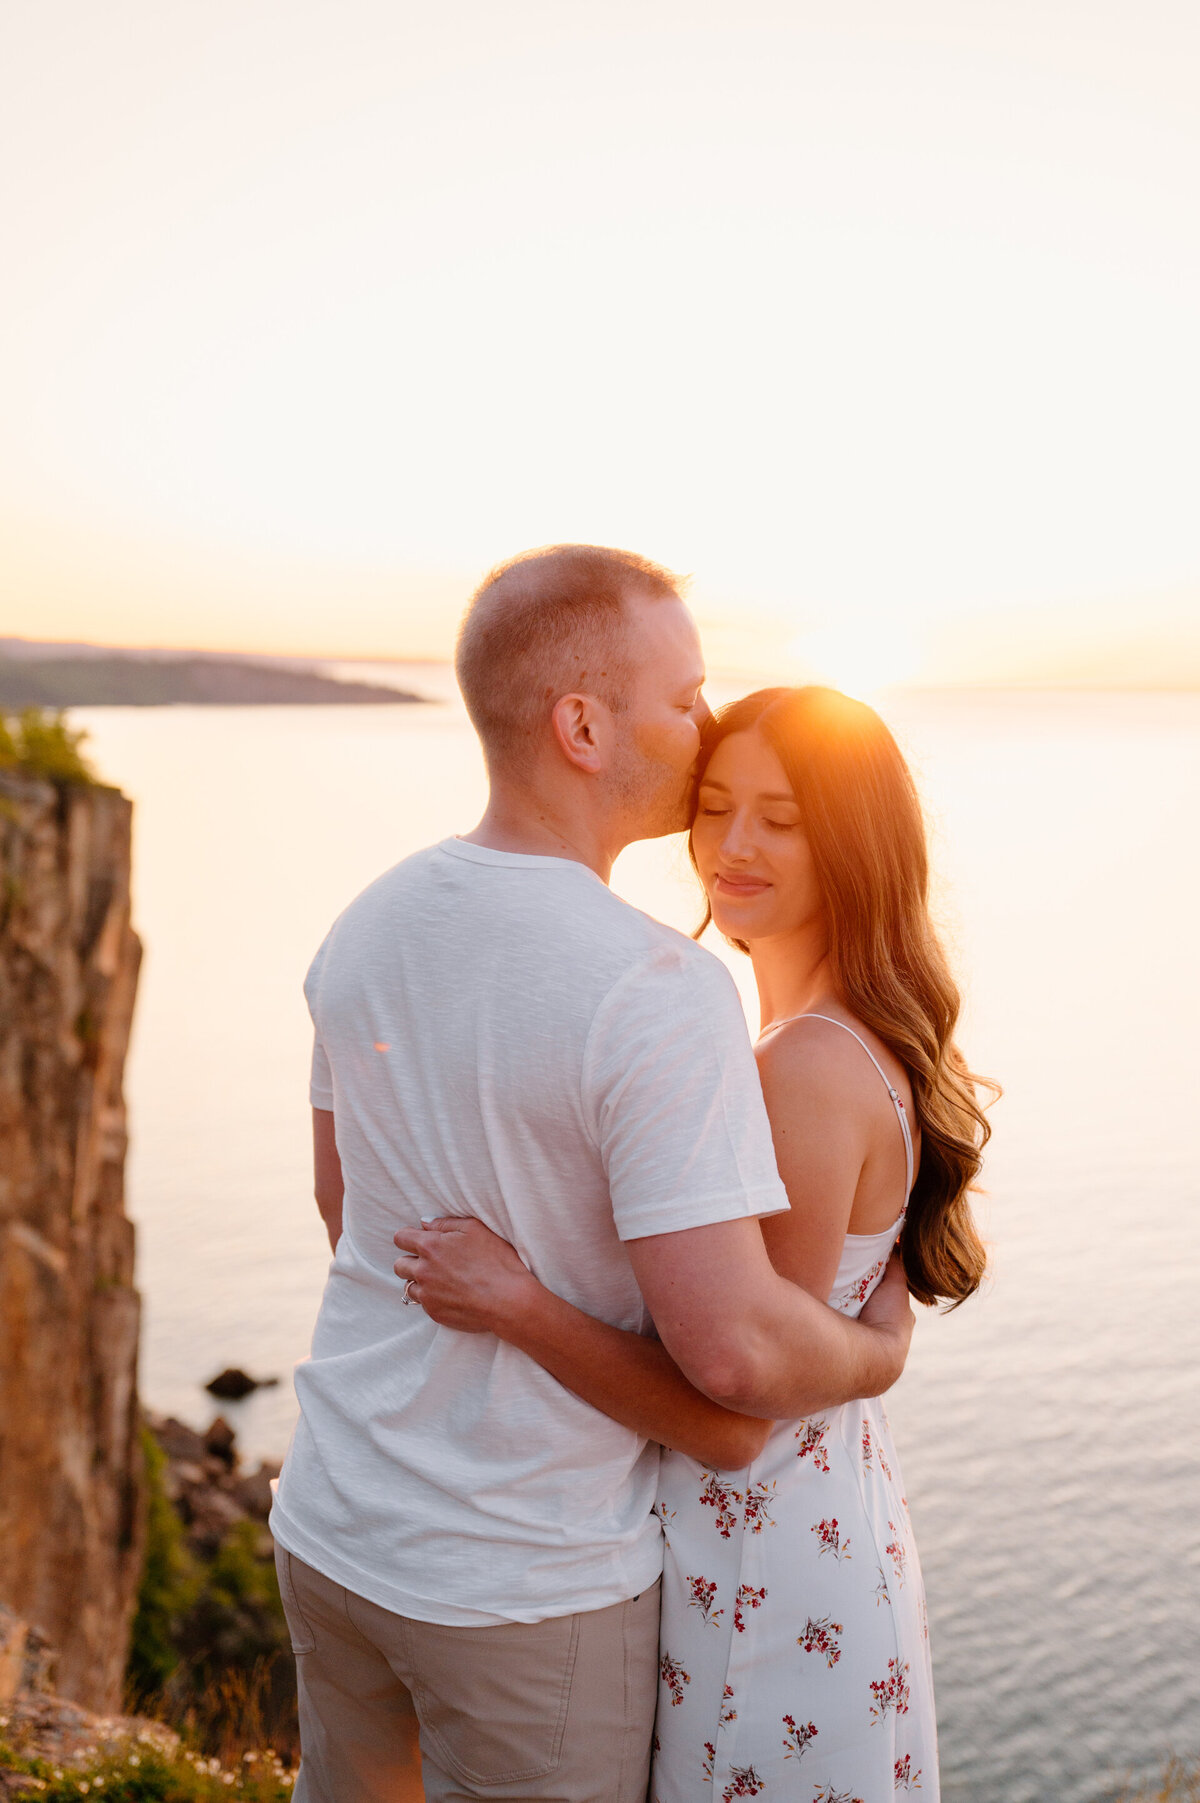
column 498, row 1036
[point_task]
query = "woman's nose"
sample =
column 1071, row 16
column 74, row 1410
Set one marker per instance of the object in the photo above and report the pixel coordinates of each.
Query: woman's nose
column 736, row 843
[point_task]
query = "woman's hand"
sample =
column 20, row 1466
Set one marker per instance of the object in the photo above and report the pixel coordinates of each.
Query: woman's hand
column 464, row 1276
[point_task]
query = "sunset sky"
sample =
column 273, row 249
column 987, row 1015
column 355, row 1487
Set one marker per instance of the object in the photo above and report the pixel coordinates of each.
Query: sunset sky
column 881, row 319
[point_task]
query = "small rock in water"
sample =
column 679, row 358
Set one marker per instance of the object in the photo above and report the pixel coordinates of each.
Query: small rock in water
column 232, row 1384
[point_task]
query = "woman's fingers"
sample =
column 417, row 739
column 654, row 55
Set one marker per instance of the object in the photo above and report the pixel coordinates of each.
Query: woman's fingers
column 411, row 1239
column 465, row 1275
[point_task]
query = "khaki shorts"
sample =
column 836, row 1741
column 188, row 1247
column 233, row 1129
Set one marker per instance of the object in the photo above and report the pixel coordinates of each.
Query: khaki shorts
column 557, row 1711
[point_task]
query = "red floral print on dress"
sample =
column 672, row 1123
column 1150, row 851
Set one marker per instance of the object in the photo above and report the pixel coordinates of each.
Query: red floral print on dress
column 882, row 1594
column 709, row 1761
column 906, row 1778
column 822, row 1635
column 897, row 1552
column 831, row 1541
column 796, row 1739
column 827, row 1794
column 858, row 1292
column 866, row 1445
column 674, row 1677
column 747, row 1598
column 702, row 1594
column 725, row 1500
column 744, row 1781
column 728, row 1712
column 811, row 1435
column 890, row 1693
column 756, row 1516
column 665, row 1516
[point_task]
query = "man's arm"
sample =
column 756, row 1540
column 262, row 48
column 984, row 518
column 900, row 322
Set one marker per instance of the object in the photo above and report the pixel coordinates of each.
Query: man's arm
column 752, row 1342
column 328, row 1186
column 467, row 1278
column 756, row 1343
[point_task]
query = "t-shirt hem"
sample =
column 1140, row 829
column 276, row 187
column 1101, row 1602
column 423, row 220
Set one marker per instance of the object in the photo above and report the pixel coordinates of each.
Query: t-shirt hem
column 321, row 1098
column 644, row 1569
column 672, row 1218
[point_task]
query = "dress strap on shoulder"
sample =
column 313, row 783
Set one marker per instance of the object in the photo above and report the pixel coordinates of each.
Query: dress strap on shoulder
column 898, row 1105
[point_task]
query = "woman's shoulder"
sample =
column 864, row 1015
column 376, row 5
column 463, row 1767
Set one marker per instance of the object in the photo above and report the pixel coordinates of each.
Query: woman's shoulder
column 826, row 1056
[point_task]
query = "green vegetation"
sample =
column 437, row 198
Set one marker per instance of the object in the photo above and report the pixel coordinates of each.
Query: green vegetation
column 34, row 743
column 210, row 1653
column 170, row 1584
column 149, row 1766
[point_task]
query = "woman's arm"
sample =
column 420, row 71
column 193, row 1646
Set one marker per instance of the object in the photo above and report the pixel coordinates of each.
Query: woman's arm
column 813, row 1078
column 466, row 1277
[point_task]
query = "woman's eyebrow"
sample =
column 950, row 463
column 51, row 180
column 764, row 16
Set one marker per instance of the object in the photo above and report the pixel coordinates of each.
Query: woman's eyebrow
column 706, row 782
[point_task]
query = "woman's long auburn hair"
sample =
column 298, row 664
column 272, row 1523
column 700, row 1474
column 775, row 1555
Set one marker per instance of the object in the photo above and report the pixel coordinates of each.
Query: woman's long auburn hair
column 860, row 812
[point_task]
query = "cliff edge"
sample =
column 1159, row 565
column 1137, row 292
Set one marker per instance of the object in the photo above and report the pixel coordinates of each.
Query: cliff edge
column 71, row 1468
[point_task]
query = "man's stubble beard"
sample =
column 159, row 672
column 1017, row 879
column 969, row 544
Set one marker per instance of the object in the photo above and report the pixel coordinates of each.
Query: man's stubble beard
column 653, row 797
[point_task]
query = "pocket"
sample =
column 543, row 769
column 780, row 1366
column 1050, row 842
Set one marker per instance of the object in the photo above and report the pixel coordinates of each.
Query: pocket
column 302, row 1637
column 493, row 1701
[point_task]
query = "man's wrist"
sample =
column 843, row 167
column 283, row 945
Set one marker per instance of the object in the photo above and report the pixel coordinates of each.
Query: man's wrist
column 896, row 1337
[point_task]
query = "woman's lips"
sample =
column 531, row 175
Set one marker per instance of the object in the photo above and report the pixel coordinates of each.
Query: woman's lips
column 742, row 886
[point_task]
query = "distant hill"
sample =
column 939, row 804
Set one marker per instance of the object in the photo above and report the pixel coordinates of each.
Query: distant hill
column 112, row 680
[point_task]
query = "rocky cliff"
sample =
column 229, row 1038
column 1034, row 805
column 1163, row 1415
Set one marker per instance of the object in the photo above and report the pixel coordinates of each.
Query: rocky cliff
column 71, row 1470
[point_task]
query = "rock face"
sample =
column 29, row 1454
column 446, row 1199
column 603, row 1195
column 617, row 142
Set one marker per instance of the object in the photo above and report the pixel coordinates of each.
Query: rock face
column 71, row 1468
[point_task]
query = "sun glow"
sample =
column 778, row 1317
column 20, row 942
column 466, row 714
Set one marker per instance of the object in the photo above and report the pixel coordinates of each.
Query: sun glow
column 800, row 317
column 861, row 656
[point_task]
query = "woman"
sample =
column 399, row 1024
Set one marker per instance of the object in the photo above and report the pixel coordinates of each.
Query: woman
column 794, row 1648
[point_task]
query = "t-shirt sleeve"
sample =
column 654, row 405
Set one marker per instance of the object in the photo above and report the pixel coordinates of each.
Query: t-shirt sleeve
column 672, row 1098
column 320, row 1087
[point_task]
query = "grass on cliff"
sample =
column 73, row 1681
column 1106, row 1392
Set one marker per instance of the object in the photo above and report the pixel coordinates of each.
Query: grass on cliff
column 209, row 1653
column 209, row 1674
column 147, row 1765
column 34, row 743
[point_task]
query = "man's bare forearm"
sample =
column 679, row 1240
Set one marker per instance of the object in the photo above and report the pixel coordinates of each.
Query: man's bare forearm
column 795, row 1356
column 795, row 1368
column 630, row 1378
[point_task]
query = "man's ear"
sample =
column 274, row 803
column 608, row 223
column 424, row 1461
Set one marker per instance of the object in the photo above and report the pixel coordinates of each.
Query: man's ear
column 582, row 727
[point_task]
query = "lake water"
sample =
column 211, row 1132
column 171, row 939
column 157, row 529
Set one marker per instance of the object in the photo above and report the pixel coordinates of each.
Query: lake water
column 1050, row 1430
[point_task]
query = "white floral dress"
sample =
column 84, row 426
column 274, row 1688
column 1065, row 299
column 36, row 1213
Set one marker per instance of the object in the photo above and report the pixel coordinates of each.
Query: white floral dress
column 794, row 1651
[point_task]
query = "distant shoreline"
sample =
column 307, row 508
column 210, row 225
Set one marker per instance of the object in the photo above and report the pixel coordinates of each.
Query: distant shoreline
column 98, row 679
column 60, row 674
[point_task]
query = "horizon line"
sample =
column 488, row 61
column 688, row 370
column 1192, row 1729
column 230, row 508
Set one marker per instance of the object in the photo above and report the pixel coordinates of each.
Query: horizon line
column 1057, row 684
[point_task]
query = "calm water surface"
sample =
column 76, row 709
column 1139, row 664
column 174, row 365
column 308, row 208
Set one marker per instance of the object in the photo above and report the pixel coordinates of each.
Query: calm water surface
column 1050, row 1430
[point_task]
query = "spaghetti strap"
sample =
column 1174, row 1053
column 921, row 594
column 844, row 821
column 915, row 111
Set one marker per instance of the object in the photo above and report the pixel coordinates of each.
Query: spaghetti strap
column 898, row 1105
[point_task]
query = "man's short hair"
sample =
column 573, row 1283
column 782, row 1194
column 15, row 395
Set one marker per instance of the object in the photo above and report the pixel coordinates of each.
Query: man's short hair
column 544, row 625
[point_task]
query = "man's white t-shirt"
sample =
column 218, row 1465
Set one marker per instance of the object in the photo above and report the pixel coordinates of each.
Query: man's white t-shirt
column 500, row 1036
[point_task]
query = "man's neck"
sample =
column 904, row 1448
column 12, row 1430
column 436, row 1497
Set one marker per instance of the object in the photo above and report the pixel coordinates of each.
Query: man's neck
column 520, row 821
